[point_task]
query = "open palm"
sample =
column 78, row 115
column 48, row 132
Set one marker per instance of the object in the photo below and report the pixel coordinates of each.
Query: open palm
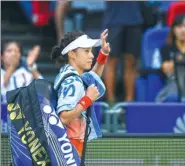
column 33, row 55
column 105, row 46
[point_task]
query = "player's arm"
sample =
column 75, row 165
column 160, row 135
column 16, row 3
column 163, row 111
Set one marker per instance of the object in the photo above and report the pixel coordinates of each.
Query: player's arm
column 67, row 116
column 103, row 54
column 85, row 102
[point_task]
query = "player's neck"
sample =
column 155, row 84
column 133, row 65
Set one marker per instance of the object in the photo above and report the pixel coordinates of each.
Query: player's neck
column 79, row 70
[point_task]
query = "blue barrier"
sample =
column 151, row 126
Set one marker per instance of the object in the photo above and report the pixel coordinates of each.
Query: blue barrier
column 152, row 117
column 142, row 118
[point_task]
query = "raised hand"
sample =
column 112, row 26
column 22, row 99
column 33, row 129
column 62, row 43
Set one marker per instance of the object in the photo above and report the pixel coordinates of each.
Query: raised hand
column 105, row 46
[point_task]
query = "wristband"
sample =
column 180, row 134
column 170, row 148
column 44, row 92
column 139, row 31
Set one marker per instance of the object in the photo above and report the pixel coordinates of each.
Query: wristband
column 102, row 58
column 33, row 67
column 85, row 102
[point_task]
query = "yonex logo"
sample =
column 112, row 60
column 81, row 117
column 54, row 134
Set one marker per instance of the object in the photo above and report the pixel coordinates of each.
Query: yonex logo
column 66, row 146
column 15, row 111
column 53, row 118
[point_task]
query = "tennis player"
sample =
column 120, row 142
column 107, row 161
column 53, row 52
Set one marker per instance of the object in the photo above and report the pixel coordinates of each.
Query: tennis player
column 75, row 56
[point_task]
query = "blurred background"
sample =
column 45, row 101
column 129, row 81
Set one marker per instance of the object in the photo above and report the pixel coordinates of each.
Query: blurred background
column 144, row 77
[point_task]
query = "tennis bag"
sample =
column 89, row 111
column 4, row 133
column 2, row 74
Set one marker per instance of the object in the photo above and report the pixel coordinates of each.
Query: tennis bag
column 37, row 136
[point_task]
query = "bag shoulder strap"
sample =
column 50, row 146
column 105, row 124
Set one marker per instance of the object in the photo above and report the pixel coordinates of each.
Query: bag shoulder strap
column 87, row 132
column 66, row 76
column 86, row 136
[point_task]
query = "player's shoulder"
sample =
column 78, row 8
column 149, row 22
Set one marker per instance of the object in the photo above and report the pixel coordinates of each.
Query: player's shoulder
column 71, row 87
column 75, row 80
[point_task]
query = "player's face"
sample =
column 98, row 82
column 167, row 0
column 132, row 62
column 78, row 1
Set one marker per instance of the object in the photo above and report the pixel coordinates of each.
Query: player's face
column 180, row 31
column 11, row 52
column 84, row 58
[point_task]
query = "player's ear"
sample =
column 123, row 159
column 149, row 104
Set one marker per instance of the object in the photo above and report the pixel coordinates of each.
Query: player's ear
column 71, row 54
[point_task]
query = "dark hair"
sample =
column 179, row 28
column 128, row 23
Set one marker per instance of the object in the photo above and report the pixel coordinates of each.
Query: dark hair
column 177, row 21
column 5, row 45
column 67, row 39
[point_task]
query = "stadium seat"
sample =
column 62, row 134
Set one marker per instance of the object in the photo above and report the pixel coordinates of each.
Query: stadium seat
column 164, row 5
column 148, row 85
column 154, row 84
column 27, row 9
column 153, row 38
column 40, row 12
column 175, row 9
column 140, row 89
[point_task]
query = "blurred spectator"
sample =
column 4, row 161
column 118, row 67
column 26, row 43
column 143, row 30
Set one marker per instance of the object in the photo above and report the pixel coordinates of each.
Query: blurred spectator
column 15, row 71
column 124, row 21
column 175, row 48
column 60, row 10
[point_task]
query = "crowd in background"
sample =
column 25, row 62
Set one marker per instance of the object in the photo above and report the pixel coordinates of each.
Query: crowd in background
column 126, row 21
column 146, row 63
